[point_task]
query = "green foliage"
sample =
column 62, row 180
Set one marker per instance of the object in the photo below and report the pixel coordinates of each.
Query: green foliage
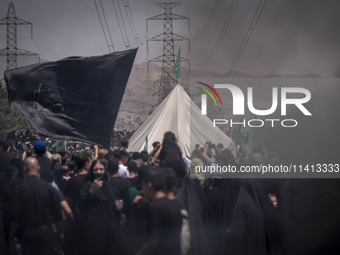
column 9, row 120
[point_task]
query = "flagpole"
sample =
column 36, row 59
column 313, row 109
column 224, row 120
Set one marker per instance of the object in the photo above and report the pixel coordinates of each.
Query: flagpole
column 177, row 66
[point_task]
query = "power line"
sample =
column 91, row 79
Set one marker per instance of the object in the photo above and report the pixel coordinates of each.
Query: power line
column 207, row 24
column 121, row 16
column 101, row 24
column 42, row 54
column 130, row 20
column 127, row 44
column 130, row 25
column 107, row 26
column 246, row 37
column 222, row 33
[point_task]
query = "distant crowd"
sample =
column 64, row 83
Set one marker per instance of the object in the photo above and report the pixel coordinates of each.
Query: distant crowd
column 19, row 142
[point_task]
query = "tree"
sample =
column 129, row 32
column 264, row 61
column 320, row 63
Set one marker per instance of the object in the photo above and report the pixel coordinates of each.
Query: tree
column 9, row 120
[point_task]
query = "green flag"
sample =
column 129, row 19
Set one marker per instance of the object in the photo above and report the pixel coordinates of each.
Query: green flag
column 56, row 144
column 24, row 146
column 177, row 67
column 63, row 146
column 146, row 143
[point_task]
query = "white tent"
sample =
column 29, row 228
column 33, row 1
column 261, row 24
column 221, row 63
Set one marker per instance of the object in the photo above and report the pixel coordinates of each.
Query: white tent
column 177, row 113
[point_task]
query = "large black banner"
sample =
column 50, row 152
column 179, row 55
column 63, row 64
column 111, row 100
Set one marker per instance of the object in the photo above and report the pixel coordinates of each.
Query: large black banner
column 76, row 97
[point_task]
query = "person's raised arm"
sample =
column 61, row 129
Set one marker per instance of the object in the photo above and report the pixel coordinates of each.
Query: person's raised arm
column 155, row 157
column 95, row 151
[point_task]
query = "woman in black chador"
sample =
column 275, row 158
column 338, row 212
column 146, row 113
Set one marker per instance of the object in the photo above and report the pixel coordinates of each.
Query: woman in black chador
column 256, row 228
column 171, row 156
column 99, row 215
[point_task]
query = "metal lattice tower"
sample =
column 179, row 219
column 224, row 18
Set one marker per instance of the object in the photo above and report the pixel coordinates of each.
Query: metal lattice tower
column 11, row 51
column 168, row 37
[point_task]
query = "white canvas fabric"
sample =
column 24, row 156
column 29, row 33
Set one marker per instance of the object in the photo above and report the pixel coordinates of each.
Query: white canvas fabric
column 177, row 113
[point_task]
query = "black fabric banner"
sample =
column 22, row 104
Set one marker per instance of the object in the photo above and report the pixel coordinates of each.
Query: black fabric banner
column 76, row 97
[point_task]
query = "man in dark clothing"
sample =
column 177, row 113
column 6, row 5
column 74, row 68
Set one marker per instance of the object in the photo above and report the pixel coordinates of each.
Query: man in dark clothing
column 3, row 146
column 5, row 160
column 7, row 203
column 39, row 211
column 73, row 190
column 119, row 183
column 133, row 167
column 165, row 221
column 75, row 184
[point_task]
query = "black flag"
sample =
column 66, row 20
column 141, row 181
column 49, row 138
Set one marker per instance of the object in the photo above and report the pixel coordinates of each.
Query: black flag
column 75, row 97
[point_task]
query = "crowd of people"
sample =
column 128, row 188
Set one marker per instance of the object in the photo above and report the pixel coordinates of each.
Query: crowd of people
column 121, row 202
column 19, row 142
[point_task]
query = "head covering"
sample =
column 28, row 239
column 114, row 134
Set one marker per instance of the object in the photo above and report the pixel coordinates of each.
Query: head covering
column 195, row 201
column 196, row 162
column 255, row 226
column 90, row 176
column 39, row 146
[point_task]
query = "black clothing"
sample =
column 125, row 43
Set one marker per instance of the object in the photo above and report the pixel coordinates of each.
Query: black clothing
column 142, row 172
column 2, row 233
column 5, row 164
column 223, row 206
column 196, row 202
column 133, row 181
column 255, row 227
column 46, row 171
column 8, row 211
column 135, row 231
column 165, row 226
column 59, row 180
column 38, row 210
column 38, row 241
column 170, row 156
column 99, row 221
column 121, row 185
column 73, row 189
column 38, row 203
column 224, row 200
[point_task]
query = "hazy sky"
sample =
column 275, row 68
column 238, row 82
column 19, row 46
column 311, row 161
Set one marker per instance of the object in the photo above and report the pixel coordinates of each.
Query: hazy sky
column 291, row 36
